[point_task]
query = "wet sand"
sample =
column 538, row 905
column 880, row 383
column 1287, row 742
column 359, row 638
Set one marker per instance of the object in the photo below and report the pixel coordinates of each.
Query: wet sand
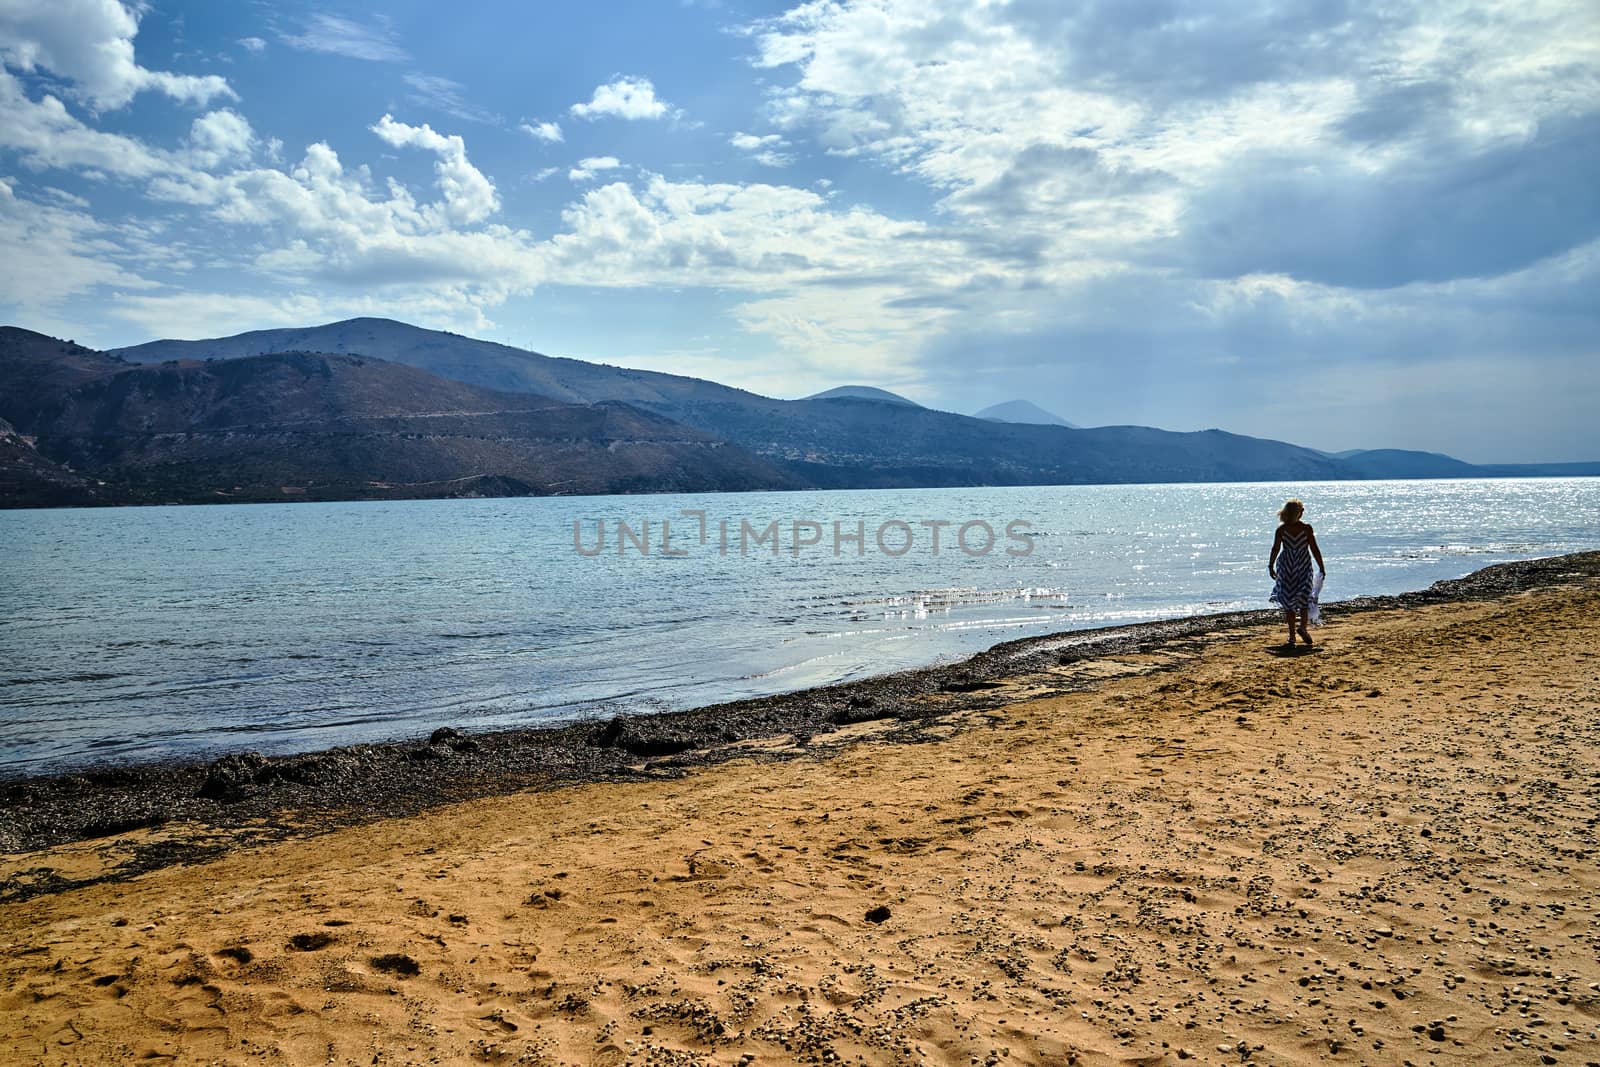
column 1199, row 851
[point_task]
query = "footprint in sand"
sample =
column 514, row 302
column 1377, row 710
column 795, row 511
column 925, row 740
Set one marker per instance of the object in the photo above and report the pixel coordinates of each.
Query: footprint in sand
column 311, row 942
column 397, row 963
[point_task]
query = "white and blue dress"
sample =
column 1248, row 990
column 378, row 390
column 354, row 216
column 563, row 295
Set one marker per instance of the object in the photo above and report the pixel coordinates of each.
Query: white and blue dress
column 1292, row 590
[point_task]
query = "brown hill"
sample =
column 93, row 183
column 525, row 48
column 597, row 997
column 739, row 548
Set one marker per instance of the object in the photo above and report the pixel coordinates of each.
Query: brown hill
column 303, row 425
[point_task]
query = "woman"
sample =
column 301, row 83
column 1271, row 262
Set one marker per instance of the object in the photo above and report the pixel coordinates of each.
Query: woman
column 1296, row 544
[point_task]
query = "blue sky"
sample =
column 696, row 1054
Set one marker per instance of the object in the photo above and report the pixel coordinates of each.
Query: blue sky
column 1337, row 223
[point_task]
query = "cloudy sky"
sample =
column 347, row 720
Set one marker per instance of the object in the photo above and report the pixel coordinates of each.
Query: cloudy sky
column 1338, row 223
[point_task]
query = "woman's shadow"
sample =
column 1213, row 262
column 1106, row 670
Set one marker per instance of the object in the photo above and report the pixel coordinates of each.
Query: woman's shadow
column 1291, row 651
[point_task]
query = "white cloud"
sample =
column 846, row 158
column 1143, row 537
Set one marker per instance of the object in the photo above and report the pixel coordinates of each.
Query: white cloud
column 623, row 98
column 588, row 169
column 766, row 149
column 548, row 132
column 50, row 253
column 220, row 137
column 253, row 44
column 45, row 135
column 323, row 227
column 759, row 237
column 448, row 96
column 749, row 142
column 823, row 281
column 338, row 36
column 951, row 93
column 90, row 43
column 469, row 196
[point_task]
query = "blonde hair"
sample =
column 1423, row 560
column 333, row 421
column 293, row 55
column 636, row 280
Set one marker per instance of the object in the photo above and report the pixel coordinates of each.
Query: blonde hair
column 1291, row 511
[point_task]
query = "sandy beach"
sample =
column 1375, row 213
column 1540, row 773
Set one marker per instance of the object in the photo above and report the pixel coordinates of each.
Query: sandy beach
column 1383, row 851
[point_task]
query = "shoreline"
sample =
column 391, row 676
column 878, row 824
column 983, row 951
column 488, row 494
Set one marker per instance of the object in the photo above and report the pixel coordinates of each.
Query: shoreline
column 242, row 798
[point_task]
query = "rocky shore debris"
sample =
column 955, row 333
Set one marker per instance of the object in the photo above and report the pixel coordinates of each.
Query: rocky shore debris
column 231, row 777
column 859, row 708
column 239, row 775
column 648, row 736
column 965, row 683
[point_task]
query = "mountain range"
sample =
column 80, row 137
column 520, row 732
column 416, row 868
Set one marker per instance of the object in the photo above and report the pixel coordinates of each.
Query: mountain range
column 373, row 408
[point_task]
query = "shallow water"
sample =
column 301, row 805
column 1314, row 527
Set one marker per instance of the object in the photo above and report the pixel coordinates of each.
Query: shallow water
column 143, row 633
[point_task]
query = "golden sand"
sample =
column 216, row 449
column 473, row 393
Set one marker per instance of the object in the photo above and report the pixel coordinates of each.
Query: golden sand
column 1383, row 852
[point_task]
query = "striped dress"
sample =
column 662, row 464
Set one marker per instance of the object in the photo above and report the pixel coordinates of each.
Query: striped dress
column 1292, row 590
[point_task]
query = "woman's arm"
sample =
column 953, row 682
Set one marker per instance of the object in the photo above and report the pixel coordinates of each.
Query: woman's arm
column 1317, row 552
column 1277, row 546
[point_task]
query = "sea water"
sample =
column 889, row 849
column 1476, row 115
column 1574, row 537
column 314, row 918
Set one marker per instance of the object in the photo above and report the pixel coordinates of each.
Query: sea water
column 134, row 634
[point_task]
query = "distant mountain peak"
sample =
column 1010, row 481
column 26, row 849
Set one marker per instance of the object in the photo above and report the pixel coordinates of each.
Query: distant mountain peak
column 1404, row 463
column 1024, row 412
column 372, row 320
column 862, row 392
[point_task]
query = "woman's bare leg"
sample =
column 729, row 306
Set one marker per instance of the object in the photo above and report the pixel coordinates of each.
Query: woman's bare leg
column 1288, row 614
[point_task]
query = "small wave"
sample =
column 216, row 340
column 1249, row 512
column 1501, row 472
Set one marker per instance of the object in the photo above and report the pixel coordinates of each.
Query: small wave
column 51, row 679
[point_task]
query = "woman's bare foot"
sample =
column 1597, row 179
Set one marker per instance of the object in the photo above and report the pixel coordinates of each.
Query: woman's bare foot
column 1305, row 636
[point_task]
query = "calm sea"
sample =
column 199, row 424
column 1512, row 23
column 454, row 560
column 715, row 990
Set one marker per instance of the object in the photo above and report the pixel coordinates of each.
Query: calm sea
column 144, row 633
